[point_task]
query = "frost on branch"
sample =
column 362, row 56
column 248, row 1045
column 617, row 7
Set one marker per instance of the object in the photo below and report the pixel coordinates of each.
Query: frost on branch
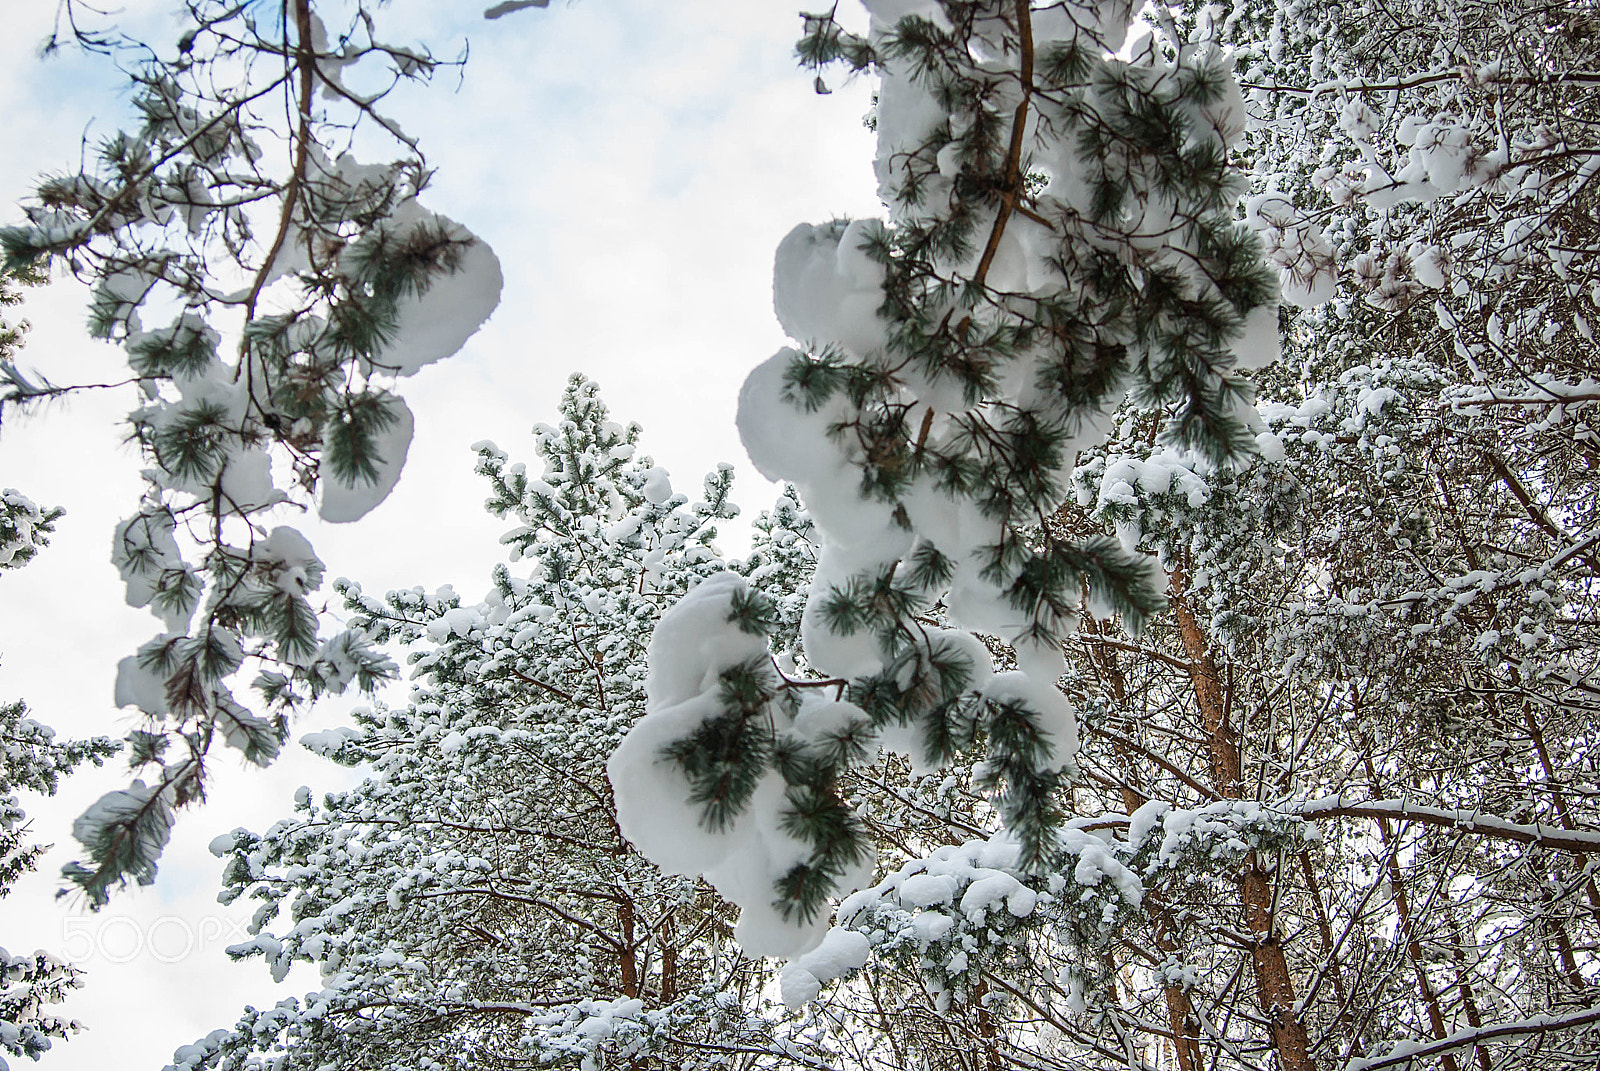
column 1442, row 177
column 27, row 985
column 1061, row 235
column 966, row 912
column 268, row 291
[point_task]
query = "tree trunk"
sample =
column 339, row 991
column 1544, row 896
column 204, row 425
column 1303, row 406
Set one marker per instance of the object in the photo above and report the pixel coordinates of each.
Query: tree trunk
column 1180, row 1011
column 1325, row 932
column 1408, row 930
column 627, row 961
column 1274, row 983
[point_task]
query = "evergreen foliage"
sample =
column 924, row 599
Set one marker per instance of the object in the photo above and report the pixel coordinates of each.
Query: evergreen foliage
column 31, row 760
column 1159, row 725
column 1349, row 763
column 1061, row 235
column 11, row 334
column 474, row 894
column 268, row 290
column 25, row 528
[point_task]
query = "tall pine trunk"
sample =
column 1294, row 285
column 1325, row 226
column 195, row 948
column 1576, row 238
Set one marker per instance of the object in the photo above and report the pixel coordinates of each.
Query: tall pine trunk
column 1274, row 983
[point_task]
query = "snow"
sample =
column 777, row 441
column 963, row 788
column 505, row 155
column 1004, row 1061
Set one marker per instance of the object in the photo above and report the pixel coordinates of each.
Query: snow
column 328, row 742
column 247, row 482
column 949, row 903
column 1146, row 818
column 1270, row 447
column 289, row 546
column 1040, row 662
column 651, row 794
column 341, row 502
column 19, row 521
column 926, row 890
column 1405, row 1053
column 694, row 640
column 835, row 653
column 786, row 443
column 437, row 323
column 931, row 926
column 457, row 621
column 138, row 687
column 892, row 11
column 1053, row 713
column 826, row 290
column 693, row 644
column 1260, row 345
column 993, row 891
column 840, row 952
column 1303, row 254
column 907, row 115
column 657, row 487
column 830, row 718
column 146, row 807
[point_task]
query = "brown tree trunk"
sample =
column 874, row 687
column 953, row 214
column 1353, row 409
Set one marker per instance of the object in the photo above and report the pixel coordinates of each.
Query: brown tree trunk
column 987, row 1030
column 1180, row 1011
column 1325, row 932
column 1274, row 983
column 669, row 959
column 1536, row 735
column 627, row 961
column 1469, row 1004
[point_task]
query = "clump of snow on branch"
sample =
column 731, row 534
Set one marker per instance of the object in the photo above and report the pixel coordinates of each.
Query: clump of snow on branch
column 268, row 291
column 967, row 909
column 950, row 364
column 25, row 528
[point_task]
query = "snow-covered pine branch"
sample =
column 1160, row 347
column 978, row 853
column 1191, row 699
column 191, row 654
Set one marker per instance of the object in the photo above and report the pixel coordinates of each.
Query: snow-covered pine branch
column 25, row 527
column 268, row 291
column 1060, row 233
column 32, row 760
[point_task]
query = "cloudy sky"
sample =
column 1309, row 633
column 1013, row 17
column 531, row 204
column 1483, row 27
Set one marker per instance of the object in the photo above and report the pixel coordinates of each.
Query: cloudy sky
column 634, row 164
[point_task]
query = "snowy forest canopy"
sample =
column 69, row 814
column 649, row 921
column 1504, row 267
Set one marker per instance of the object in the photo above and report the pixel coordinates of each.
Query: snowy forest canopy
column 1174, row 647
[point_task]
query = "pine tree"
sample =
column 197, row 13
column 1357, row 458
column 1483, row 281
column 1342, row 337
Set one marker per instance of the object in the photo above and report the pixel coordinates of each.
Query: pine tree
column 11, row 335
column 1381, row 631
column 32, row 759
column 474, row 895
column 25, row 528
column 1329, row 809
column 1354, row 715
column 268, row 290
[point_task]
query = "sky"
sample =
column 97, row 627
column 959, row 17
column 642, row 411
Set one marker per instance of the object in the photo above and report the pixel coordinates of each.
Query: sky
column 634, row 165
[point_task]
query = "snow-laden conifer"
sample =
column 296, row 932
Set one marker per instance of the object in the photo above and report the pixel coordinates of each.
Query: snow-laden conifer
column 268, row 290
column 25, row 527
column 31, row 760
column 474, row 894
